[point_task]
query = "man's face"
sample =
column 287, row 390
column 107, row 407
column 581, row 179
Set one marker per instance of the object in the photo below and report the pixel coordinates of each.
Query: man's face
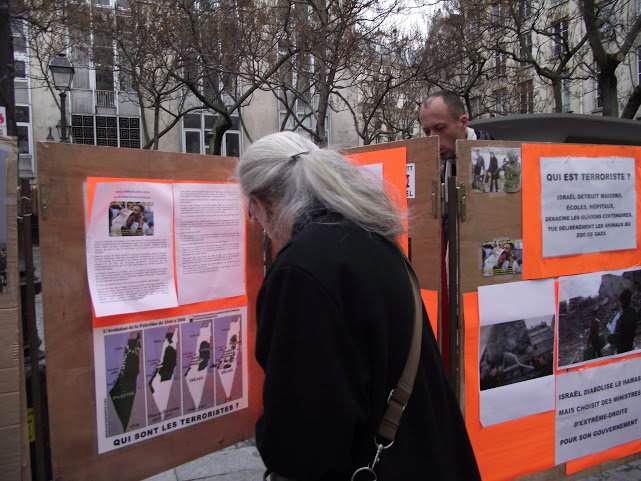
column 436, row 119
column 507, row 249
column 137, row 210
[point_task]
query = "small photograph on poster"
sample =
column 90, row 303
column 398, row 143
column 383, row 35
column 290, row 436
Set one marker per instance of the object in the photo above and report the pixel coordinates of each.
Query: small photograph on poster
column 197, row 364
column 131, row 218
column 496, row 169
column 162, row 372
column 503, row 256
column 516, row 351
column 598, row 315
column 125, row 408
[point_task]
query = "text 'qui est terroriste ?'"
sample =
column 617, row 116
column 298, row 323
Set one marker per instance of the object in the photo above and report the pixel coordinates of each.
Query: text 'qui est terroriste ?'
column 591, row 415
column 587, row 206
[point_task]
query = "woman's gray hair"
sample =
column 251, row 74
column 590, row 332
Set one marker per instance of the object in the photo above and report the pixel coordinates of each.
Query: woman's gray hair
column 296, row 179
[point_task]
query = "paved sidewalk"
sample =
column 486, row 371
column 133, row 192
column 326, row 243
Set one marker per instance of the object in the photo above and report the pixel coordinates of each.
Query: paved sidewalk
column 242, row 462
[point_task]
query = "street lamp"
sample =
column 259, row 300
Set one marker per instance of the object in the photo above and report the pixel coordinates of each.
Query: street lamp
column 62, row 72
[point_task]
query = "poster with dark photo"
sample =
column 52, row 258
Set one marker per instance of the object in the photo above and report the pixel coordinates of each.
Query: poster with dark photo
column 599, row 315
column 516, row 351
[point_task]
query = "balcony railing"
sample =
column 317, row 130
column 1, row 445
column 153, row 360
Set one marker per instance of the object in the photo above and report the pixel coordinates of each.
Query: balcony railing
column 105, row 98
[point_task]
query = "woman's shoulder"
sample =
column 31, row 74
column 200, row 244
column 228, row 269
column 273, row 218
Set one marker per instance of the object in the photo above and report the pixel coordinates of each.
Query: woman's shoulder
column 326, row 247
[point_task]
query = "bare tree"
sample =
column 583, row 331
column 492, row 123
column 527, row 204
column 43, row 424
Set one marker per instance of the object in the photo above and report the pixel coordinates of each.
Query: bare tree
column 457, row 54
column 225, row 52
column 612, row 27
column 384, row 101
column 540, row 38
column 330, row 36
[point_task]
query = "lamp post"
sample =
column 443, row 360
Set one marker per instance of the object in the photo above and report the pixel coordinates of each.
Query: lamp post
column 62, row 72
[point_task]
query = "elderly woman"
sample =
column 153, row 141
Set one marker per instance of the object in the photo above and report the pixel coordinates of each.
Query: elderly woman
column 335, row 316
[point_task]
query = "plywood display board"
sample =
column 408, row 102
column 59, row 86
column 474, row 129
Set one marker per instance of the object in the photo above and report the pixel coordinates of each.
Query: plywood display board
column 538, row 405
column 424, row 214
column 63, row 173
column 14, row 443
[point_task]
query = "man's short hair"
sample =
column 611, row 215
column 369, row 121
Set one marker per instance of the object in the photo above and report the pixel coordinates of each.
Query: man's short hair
column 454, row 103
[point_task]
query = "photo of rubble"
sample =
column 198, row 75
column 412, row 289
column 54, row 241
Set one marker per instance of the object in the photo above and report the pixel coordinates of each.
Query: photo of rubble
column 516, row 351
column 598, row 315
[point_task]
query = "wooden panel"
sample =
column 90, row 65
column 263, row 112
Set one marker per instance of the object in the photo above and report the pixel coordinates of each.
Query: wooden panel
column 489, row 216
column 62, row 170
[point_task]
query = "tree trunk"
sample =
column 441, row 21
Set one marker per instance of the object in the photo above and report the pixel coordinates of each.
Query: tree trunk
column 558, row 94
column 634, row 102
column 609, row 98
column 222, row 125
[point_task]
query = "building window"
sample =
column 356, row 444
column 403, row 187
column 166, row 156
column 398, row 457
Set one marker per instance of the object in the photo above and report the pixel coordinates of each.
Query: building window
column 19, row 36
column 497, row 14
column 23, row 125
column 609, row 20
column 561, row 37
column 526, row 97
column 20, row 68
column 197, row 130
column 104, row 66
column 106, row 131
column 525, row 48
column 499, row 62
column 476, row 107
column 500, row 101
column 525, row 8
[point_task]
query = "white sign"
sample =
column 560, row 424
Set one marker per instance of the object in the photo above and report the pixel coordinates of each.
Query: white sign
column 513, row 382
column 587, row 205
column 411, row 181
column 597, row 409
column 3, row 121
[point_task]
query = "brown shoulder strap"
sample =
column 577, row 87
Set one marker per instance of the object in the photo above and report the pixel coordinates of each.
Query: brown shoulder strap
column 401, row 393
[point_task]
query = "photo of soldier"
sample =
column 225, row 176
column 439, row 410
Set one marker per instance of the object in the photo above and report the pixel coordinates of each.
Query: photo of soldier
column 496, row 170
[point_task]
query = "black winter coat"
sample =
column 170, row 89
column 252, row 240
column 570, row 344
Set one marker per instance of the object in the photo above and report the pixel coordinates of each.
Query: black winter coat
column 335, row 316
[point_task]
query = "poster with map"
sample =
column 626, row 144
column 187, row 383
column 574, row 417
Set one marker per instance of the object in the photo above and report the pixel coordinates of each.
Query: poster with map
column 158, row 376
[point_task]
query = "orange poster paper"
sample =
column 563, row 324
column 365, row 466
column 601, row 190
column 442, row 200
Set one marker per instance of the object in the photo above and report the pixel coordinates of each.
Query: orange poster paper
column 394, row 172
column 430, row 299
column 537, row 267
column 508, row 450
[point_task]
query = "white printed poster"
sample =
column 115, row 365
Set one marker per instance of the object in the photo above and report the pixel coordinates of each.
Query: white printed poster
column 159, row 376
column 587, row 205
column 209, row 222
column 411, row 181
column 516, row 350
column 129, row 245
column 597, row 409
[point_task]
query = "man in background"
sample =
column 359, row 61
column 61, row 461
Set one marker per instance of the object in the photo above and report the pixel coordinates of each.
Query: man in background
column 443, row 114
